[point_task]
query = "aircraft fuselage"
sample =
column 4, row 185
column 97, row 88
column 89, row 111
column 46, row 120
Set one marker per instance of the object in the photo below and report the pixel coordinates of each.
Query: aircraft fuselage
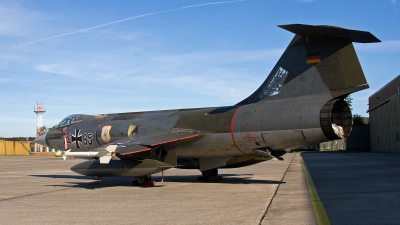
column 301, row 102
column 224, row 131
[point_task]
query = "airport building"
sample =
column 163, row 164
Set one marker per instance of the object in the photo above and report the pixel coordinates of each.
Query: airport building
column 384, row 114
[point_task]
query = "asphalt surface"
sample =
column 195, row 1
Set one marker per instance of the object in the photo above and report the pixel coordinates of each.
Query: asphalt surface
column 42, row 190
column 357, row 188
column 354, row 188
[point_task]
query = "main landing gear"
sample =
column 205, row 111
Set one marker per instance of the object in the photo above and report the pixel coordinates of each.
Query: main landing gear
column 144, row 181
column 210, row 175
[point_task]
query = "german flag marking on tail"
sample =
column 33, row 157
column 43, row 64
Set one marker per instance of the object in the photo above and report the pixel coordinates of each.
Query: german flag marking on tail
column 314, row 57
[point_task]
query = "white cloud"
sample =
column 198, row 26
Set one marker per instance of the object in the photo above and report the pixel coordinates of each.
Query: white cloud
column 53, row 68
column 81, row 70
column 224, row 56
column 157, row 67
column 393, row 1
column 130, row 36
column 5, row 59
column 230, row 75
column 4, row 80
column 16, row 20
column 127, row 19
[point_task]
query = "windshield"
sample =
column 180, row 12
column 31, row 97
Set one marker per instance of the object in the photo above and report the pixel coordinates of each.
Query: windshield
column 71, row 119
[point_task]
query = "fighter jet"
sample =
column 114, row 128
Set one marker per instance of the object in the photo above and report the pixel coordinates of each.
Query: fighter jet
column 300, row 103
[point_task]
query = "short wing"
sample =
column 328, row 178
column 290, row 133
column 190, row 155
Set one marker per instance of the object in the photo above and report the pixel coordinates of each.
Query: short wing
column 166, row 139
column 130, row 149
column 140, row 147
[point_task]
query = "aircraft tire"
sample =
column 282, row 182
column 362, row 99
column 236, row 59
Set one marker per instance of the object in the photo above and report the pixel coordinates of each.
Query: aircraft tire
column 206, row 173
column 214, row 172
column 210, row 173
column 141, row 179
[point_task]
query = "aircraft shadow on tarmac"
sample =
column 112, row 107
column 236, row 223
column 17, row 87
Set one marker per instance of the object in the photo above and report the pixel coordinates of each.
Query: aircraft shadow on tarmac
column 57, row 176
column 127, row 181
column 226, row 179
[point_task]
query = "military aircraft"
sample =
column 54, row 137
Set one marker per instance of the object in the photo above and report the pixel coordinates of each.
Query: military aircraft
column 300, row 103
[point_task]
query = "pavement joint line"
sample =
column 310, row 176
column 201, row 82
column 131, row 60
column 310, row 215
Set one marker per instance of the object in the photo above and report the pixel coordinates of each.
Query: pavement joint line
column 33, row 194
column 46, row 192
column 276, row 191
column 320, row 214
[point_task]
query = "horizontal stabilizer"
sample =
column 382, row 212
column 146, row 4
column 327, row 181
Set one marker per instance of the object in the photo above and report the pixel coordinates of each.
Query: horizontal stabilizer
column 140, row 146
column 330, row 31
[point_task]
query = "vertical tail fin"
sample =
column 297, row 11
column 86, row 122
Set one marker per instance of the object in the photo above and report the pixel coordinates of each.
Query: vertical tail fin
column 318, row 59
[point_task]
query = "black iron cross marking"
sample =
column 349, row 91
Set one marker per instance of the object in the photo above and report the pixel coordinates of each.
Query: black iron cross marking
column 77, row 138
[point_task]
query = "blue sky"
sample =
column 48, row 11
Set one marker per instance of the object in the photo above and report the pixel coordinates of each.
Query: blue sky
column 75, row 57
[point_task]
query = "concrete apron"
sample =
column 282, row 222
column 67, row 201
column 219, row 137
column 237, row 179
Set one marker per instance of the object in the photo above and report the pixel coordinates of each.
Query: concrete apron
column 42, row 190
column 291, row 203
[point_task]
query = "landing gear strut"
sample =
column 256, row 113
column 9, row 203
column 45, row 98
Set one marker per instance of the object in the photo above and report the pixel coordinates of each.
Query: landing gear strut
column 210, row 175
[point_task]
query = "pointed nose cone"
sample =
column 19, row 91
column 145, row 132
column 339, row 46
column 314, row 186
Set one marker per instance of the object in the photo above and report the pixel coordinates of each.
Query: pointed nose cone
column 41, row 140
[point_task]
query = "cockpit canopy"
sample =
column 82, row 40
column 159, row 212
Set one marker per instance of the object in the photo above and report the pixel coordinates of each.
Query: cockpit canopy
column 71, row 119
